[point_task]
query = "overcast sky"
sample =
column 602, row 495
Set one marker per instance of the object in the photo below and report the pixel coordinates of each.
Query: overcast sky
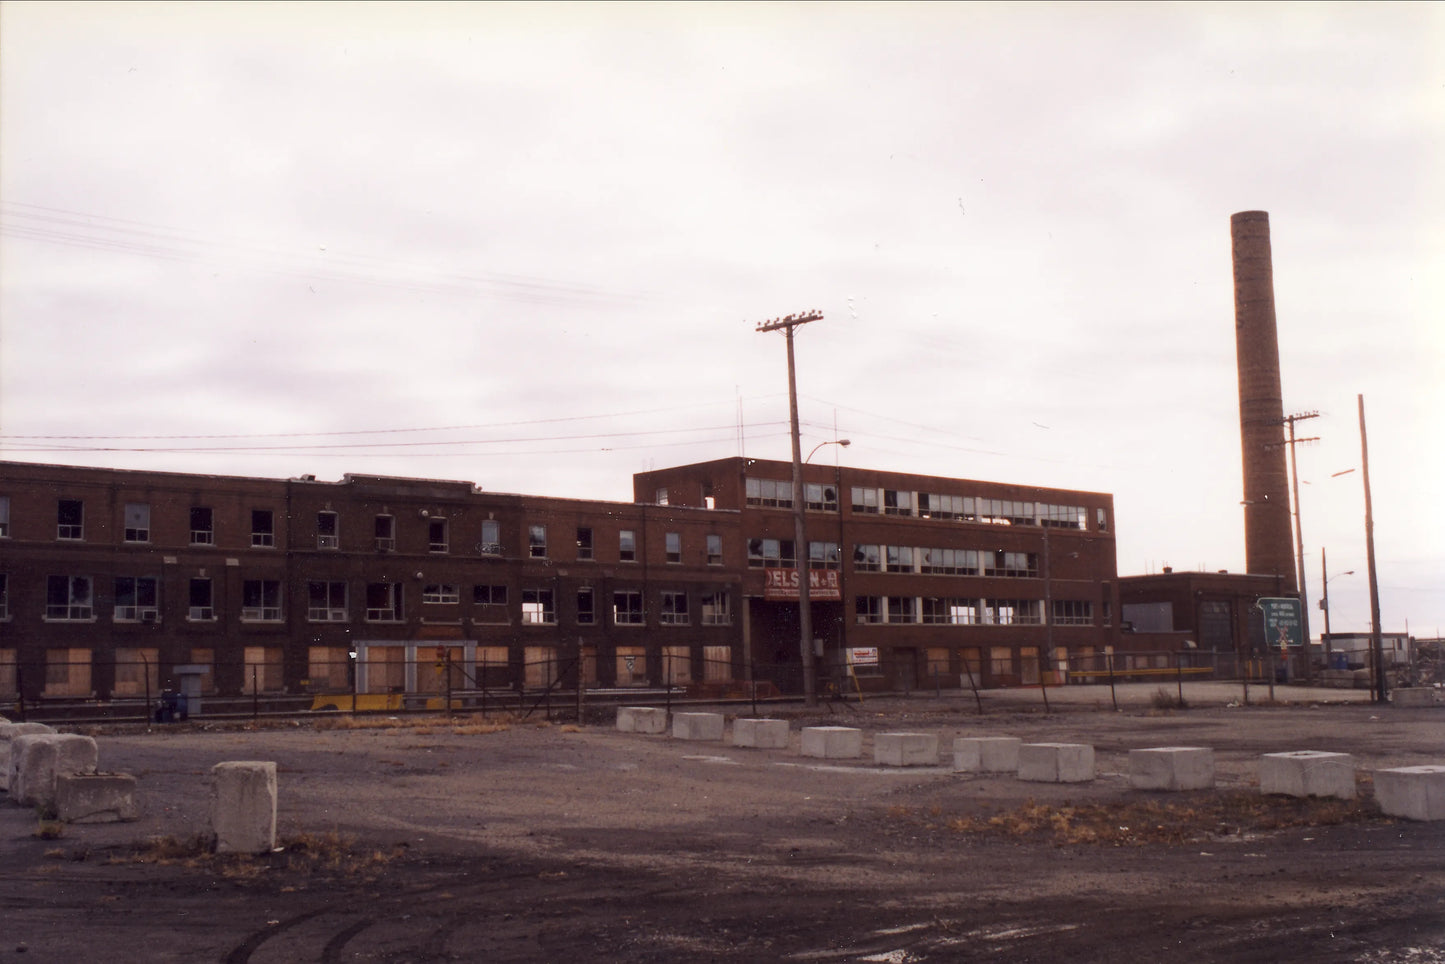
column 528, row 246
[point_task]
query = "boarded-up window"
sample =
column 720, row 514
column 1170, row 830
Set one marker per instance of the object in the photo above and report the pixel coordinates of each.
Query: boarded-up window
column 8, row 680
column 971, row 663
column 492, row 667
column 1029, row 665
column 326, row 667
column 717, row 663
column 206, row 658
column 589, row 665
column 541, row 668
column 1000, row 662
column 67, row 672
column 937, row 668
column 385, row 669
column 631, row 666
column 263, row 670
column 432, row 665
column 135, row 670
column 676, row 665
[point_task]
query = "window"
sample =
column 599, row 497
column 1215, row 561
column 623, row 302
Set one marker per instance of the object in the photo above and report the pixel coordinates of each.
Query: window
column 1073, row 612
column 771, row 554
column 902, row 609
column 326, row 602
column 200, row 608
column 436, row 536
column 384, row 529
column 586, row 607
column 1101, row 520
column 1014, row 565
column 627, row 608
column 69, row 597
column 627, row 545
column 934, row 506
column 953, row 612
column 674, row 609
column 203, row 532
column 491, row 538
column 136, row 599
column 867, row 559
column 821, row 498
column 865, row 500
column 1063, row 516
column 537, row 542
column 673, row 541
column 1003, row 512
column 899, row 558
column 261, row 600
column 383, row 602
column 537, row 607
column 4, row 605
column 770, row 493
column 897, row 502
column 661, row 498
column 489, row 595
column 440, row 594
column 584, row 542
column 326, row 530
column 868, row 609
column 4, row 516
column 67, row 672
column 1012, row 612
column 948, row 562
column 824, row 555
column 137, row 522
column 263, row 531
column 70, row 519
column 714, row 550
column 716, row 609
column 1000, row 661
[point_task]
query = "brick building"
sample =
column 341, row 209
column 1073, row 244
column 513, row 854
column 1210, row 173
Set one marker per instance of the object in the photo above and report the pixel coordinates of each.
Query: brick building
column 111, row 579
column 915, row 580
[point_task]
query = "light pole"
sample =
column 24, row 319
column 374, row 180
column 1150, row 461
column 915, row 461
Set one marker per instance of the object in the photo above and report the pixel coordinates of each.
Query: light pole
column 1325, row 594
column 842, row 443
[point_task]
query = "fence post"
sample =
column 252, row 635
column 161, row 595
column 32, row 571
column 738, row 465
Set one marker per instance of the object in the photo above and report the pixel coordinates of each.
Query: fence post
column 146, row 709
column 1179, row 665
column 351, row 656
column 1109, row 661
column 255, row 692
column 447, row 669
column 972, row 684
column 1270, row 670
column 19, row 689
column 1044, row 682
column 753, row 684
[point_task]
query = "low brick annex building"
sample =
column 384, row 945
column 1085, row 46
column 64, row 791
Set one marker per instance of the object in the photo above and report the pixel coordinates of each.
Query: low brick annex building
column 111, row 579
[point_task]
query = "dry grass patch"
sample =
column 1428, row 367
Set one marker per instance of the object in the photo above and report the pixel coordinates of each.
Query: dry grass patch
column 1133, row 823
column 324, row 854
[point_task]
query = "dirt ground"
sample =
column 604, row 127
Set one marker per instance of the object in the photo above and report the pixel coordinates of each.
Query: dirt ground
column 430, row 840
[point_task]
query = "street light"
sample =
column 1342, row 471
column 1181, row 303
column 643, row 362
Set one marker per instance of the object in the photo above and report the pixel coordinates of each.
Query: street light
column 842, row 442
column 1325, row 578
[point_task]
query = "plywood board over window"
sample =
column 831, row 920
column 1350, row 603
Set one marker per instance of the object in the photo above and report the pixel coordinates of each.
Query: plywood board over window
column 676, row 665
column 8, row 676
column 328, row 668
column 541, row 666
column 717, row 663
column 385, row 669
column 631, row 666
column 67, row 672
column 262, row 669
column 137, row 672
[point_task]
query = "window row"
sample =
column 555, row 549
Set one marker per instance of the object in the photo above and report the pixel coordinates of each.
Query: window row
column 137, row 599
column 945, row 562
column 965, row 611
column 966, row 508
column 136, row 517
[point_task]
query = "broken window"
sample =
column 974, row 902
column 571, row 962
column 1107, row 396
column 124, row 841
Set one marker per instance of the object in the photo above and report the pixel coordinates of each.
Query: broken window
column 69, row 597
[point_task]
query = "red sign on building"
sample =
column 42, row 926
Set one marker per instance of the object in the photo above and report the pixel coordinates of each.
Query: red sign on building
column 783, row 584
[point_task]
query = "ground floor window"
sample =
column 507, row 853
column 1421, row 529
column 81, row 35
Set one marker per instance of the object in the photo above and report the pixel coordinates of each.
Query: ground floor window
column 937, row 665
column 137, row 672
column 8, row 681
column 262, row 670
column 631, row 666
column 67, row 672
column 1000, row 661
column 541, row 668
column 676, row 665
column 328, row 668
column 717, row 663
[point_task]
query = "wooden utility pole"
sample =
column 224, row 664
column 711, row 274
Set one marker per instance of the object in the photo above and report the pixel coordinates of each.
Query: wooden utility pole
column 1299, row 535
column 1377, row 656
column 800, row 536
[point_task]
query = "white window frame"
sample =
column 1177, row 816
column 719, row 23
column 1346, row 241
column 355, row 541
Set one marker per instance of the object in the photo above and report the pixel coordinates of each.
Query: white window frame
column 328, row 539
column 137, row 522
column 138, row 612
column 78, row 607
column 673, row 614
column 269, row 610
column 331, row 609
column 440, row 594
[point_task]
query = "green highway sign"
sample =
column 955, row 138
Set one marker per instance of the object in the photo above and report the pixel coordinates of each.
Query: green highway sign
column 1283, row 625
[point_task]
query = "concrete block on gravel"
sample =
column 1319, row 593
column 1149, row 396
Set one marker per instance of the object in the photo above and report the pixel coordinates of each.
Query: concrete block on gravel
column 1056, row 762
column 986, row 754
column 697, row 726
column 8, row 732
column 905, row 749
column 95, row 798
column 760, row 733
column 832, row 742
column 1308, row 773
column 1172, row 768
column 36, row 759
column 641, row 719
column 1414, row 697
column 243, row 806
column 1415, row 793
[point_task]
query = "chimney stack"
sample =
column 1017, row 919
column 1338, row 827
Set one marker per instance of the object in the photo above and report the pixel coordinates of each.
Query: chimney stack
column 1268, row 536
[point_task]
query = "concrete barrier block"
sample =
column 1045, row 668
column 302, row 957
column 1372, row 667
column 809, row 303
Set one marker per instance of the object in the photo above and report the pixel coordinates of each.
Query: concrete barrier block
column 1172, row 768
column 641, row 719
column 762, row 734
column 1308, row 773
column 36, row 759
column 8, row 732
column 243, row 806
column 905, row 749
column 1415, row 793
column 1413, row 697
column 697, row 726
column 1056, row 762
column 95, row 798
column 832, row 742
column 986, row 754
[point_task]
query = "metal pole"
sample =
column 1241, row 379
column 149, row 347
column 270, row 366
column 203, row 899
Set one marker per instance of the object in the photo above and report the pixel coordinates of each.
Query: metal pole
column 1299, row 548
column 1376, row 644
column 1325, row 604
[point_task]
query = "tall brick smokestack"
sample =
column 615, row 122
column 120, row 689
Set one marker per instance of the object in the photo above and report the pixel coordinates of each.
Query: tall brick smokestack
column 1268, row 537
